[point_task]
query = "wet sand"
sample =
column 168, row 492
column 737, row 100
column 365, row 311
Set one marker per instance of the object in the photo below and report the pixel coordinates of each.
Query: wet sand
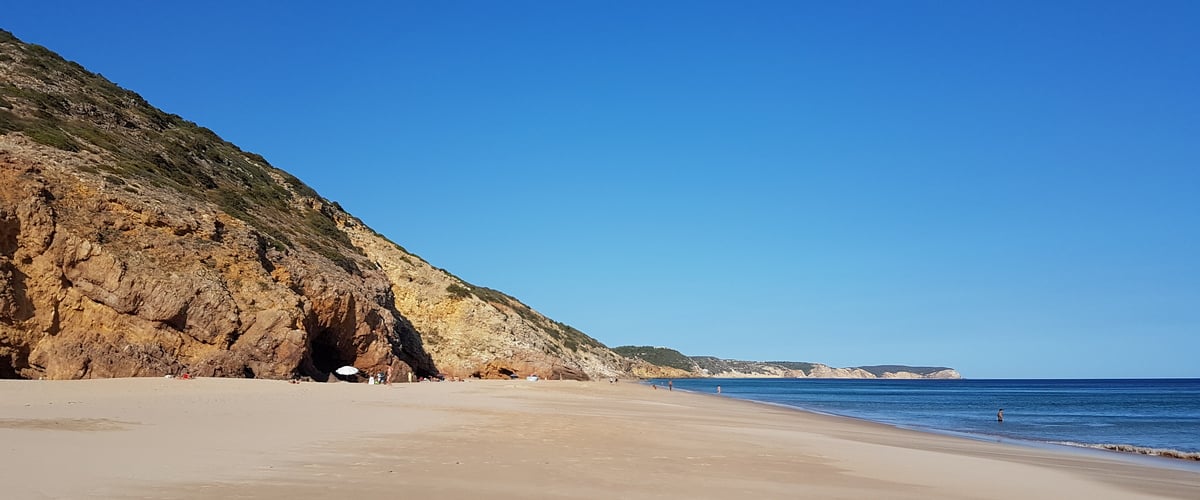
column 228, row 438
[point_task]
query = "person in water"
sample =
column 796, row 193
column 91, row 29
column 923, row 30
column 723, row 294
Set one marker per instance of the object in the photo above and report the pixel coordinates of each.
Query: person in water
column 1000, row 415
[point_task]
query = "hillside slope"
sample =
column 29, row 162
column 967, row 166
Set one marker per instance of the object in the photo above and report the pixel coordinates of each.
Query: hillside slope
column 136, row 243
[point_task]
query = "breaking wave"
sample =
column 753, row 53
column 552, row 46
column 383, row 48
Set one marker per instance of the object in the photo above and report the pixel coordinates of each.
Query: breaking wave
column 1140, row 450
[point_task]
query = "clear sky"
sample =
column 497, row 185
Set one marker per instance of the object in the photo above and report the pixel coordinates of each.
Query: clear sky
column 1009, row 188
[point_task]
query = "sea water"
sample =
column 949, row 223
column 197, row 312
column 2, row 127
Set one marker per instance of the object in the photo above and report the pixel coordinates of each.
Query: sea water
column 1148, row 416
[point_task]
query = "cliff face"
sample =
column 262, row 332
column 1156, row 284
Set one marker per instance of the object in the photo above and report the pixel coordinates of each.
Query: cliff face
column 475, row 331
column 135, row 243
column 104, row 279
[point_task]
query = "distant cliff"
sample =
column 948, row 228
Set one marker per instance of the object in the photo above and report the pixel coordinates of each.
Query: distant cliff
column 672, row 363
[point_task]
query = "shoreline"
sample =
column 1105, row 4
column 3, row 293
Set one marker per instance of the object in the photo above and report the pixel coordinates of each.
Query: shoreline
column 204, row 438
column 1166, row 457
column 1137, row 455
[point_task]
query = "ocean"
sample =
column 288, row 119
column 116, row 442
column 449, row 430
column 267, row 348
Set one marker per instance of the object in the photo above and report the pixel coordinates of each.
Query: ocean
column 1146, row 416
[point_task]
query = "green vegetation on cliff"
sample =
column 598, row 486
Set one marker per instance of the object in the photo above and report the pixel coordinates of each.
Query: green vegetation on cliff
column 60, row 104
column 571, row 338
column 660, row 356
column 794, row 365
column 713, row 365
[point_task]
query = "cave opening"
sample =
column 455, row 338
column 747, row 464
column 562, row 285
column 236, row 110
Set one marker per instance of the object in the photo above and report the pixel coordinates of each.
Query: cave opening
column 12, row 360
column 7, row 367
column 326, row 355
column 10, row 229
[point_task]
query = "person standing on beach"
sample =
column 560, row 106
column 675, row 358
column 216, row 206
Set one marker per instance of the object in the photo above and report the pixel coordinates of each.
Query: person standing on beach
column 670, row 385
column 1000, row 415
column 718, row 389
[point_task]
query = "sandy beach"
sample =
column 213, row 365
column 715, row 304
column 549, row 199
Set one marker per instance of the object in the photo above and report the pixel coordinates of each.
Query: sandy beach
column 229, row 438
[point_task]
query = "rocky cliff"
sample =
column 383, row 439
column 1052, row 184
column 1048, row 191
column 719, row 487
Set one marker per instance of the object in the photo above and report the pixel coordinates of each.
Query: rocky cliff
column 477, row 331
column 136, row 243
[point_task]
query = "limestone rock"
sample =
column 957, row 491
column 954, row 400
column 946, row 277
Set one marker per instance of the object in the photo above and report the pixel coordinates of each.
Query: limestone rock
column 95, row 283
column 472, row 331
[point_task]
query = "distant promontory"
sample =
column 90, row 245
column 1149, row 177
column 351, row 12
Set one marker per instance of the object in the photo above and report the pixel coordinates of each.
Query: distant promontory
column 666, row 362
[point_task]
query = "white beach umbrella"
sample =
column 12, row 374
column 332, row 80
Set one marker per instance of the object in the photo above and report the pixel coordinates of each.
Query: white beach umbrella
column 346, row 370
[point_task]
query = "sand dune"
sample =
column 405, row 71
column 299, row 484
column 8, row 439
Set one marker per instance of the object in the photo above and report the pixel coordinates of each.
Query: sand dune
column 224, row 438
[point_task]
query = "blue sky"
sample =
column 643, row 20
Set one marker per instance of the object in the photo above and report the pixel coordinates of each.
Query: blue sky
column 1008, row 188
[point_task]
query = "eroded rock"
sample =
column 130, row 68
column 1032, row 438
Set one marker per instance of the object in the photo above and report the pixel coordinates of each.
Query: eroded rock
column 137, row 295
